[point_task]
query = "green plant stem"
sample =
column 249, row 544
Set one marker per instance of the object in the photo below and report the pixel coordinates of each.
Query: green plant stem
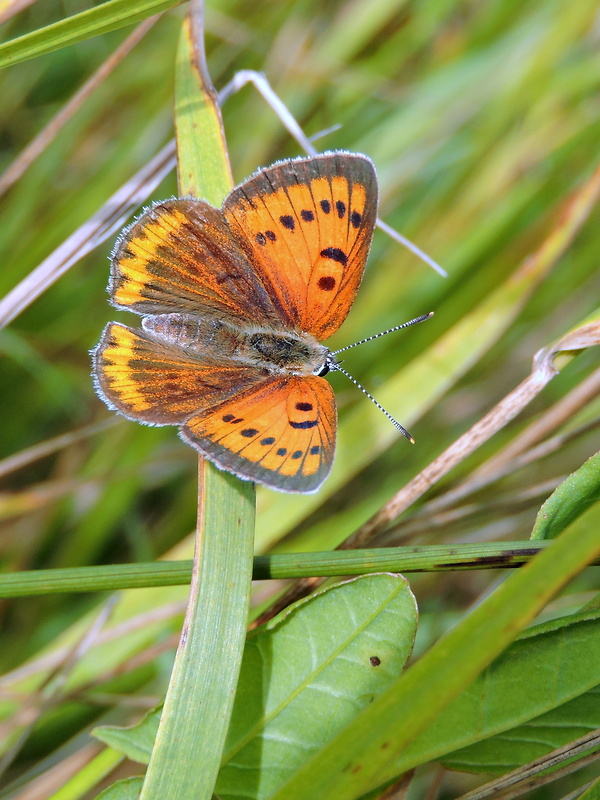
column 111, row 577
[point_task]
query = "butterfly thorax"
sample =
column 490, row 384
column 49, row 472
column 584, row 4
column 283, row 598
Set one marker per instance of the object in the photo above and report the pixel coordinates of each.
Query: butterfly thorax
column 277, row 352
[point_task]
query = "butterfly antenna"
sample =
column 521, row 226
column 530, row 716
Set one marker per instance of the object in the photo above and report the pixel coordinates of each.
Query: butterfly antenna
column 408, row 324
column 395, row 423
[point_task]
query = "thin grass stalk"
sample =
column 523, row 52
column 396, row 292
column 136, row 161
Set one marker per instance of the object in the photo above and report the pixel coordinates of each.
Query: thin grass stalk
column 187, row 753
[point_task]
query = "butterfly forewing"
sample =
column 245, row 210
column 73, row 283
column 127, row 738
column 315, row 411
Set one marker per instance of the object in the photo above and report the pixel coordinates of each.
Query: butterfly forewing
column 306, row 226
column 281, row 433
column 181, row 256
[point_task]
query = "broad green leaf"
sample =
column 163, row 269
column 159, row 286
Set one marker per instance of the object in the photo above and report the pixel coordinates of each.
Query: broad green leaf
column 134, row 741
column 367, row 752
column 127, row 789
column 571, row 499
column 545, row 670
column 306, row 675
column 533, row 739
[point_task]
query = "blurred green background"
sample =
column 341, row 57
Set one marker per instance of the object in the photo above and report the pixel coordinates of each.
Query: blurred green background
column 481, row 118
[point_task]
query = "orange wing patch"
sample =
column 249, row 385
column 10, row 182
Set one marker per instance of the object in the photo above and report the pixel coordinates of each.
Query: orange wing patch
column 181, row 256
column 281, row 433
column 158, row 384
column 306, row 226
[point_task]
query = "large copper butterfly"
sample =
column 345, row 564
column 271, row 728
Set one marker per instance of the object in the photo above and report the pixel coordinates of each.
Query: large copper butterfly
column 234, row 302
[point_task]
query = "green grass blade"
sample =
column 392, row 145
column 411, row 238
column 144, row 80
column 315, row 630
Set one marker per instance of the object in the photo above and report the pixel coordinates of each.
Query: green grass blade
column 187, row 753
column 107, row 17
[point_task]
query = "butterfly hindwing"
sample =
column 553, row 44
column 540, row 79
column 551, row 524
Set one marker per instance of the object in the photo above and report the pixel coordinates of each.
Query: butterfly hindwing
column 180, row 255
column 280, row 433
column 157, row 383
column 306, row 226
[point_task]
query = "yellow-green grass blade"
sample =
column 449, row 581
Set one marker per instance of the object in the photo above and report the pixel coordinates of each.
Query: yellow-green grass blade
column 89, row 776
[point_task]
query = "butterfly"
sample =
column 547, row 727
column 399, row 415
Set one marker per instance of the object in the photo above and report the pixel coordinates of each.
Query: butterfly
column 235, row 303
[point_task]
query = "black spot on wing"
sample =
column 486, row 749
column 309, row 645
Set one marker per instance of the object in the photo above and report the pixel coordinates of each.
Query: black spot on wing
column 326, row 283
column 305, row 425
column 335, row 254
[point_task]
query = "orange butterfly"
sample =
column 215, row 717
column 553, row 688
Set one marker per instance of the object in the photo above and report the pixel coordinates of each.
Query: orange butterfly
column 233, row 303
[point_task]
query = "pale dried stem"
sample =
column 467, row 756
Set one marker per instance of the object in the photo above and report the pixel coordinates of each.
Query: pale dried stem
column 109, row 219
column 53, row 659
column 432, row 512
column 32, row 454
column 560, row 413
column 13, row 7
column 510, row 504
column 40, row 702
column 523, row 780
column 506, row 410
column 40, row 142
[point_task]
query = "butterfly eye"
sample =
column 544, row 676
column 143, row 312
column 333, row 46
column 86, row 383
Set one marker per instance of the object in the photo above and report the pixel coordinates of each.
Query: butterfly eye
column 324, row 370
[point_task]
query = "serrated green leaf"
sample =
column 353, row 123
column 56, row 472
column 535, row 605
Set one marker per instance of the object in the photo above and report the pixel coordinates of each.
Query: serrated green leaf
column 306, row 675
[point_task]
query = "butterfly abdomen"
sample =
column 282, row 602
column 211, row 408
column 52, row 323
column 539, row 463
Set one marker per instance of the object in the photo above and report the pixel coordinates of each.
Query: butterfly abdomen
column 191, row 332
